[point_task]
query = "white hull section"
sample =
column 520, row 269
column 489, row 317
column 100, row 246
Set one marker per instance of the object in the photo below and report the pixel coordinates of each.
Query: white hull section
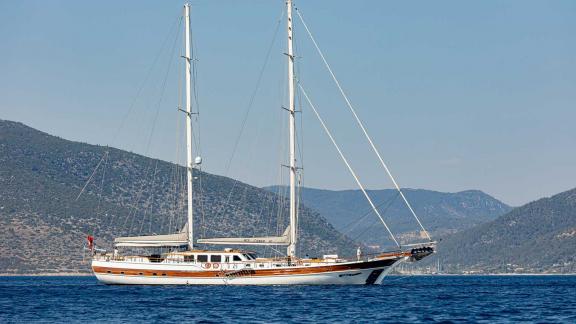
column 353, row 277
column 350, row 273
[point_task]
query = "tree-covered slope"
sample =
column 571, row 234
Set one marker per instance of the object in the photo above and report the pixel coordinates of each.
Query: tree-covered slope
column 43, row 227
column 537, row 237
column 441, row 213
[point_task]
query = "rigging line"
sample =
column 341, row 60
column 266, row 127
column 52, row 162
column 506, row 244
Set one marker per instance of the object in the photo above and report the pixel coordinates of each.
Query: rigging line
column 137, row 199
column 174, row 182
column 300, row 133
column 272, row 248
column 150, row 201
column 299, row 144
column 158, row 104
column 163, row 90
column 253, row 96
column 195, row 103
column 176, row 172
column 200, row 198
column 346, row 162
column 199, row 190
column 267, row 218
column 197, row 173
column 102, row 184
column 391, row 202
column 133, row 208
column 248, row 109
column 299, row 208
column 180, row 200
column 349, row 104
column 148, row 74
column 282, row 191
column 194, row 69
column 349, row 227
column 91, row 176
column 278, row 205
column 252, row 147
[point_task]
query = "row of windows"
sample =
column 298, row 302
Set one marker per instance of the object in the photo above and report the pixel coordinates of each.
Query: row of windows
column 139, row 273
column 212, row 258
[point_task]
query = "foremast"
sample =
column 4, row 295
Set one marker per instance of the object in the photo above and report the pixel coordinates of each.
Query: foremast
column 292, row 143
column 189, row 161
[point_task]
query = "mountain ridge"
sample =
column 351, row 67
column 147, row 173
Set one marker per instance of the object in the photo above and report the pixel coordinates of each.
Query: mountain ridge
column 537, row 237
column 441, row 213
column 43, row 227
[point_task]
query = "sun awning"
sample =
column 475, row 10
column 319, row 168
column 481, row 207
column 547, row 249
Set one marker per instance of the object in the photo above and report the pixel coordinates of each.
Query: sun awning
column 266, row 240
column 178, row 239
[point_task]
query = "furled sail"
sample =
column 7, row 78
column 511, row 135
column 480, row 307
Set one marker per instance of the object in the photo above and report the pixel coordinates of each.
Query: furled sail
column 177, row 239
column 266, row 240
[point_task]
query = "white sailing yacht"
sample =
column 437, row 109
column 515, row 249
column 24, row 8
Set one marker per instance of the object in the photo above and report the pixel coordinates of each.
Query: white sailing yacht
column 186, row 264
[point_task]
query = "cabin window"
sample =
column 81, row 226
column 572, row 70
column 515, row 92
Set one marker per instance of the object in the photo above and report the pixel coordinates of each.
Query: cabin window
column 237, row 258
column 227, row 259
column 202, row 258
column 188, row 258
column 216, row 258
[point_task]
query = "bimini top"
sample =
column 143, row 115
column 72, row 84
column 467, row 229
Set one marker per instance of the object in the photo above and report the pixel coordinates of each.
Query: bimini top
column 177, row 239
column 267, row 240
column 181, row 239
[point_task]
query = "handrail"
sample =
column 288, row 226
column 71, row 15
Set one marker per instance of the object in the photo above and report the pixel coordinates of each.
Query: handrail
column 253, row 263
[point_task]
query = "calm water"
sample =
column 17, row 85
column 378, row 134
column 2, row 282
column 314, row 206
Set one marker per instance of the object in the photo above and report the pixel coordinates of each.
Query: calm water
column 414, row 299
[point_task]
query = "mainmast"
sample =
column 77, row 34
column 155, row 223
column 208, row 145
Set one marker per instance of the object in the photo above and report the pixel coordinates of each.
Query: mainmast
column 292, row 127
column 189, row 163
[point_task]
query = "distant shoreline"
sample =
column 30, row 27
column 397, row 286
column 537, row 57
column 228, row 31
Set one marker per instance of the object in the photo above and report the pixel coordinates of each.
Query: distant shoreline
column 83, row 274
column 487, row 274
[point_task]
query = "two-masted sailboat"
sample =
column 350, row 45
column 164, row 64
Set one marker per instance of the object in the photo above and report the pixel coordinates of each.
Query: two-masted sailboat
column 184, row 263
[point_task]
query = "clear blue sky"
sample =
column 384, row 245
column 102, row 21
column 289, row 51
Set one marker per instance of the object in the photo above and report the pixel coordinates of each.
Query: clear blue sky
column 457, row 94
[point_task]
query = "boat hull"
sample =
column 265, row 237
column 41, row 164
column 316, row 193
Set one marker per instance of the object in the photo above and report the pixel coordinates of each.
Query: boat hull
column 353, row 273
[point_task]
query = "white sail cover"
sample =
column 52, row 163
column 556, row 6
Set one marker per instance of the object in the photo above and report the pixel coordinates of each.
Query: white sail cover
column 266, row 240
column 177, row 239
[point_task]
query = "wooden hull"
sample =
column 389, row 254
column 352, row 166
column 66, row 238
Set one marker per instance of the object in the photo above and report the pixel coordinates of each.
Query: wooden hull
column 349, row 273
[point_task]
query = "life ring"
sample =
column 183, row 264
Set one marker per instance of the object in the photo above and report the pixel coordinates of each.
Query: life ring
column 207, row 265
column 216, row 265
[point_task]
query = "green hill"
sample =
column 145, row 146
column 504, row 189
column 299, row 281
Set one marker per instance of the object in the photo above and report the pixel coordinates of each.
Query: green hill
column 441, row 213
column 43, row 228
column 537, row 237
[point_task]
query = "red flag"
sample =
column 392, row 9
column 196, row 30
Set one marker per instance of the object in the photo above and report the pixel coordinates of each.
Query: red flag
column 90, row 242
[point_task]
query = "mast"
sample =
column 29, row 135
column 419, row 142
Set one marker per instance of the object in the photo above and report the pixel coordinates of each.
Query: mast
column 292, row 126
column 189, row 162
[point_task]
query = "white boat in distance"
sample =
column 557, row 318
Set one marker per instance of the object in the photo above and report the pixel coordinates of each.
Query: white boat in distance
column 186, row 264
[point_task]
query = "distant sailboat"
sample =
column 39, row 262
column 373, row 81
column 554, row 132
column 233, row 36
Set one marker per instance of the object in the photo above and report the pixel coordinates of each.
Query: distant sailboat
column 185, row 264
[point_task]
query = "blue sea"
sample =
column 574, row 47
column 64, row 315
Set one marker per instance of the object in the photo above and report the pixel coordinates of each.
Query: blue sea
column 418, row 299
